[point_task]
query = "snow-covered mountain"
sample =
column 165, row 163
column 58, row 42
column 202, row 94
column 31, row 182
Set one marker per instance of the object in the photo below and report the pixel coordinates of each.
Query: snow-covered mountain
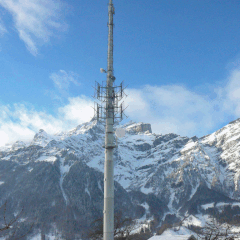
column 58, row 179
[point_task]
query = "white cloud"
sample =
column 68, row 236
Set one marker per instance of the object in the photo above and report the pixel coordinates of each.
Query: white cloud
column 2, row 28
column 62, row 80
column 170, row 109
column 232, row 92
column 35, row 20
column 176, row 109
column 20, row 122
column 78, row 110
column 11, row 132
column 137, row 104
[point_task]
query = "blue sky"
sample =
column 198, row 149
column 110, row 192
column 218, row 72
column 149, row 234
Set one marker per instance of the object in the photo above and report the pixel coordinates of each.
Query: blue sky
column 180, row 60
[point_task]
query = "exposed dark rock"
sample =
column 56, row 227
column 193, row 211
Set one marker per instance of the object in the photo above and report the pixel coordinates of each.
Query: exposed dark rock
column 59, row 179
column 143, row 147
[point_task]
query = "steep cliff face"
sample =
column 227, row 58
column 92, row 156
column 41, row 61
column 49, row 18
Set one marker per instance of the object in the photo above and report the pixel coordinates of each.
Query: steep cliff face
column 138, row 127
column 58, row 179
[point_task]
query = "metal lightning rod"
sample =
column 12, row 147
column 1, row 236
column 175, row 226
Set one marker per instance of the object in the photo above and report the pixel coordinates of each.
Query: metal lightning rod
column 108, row 217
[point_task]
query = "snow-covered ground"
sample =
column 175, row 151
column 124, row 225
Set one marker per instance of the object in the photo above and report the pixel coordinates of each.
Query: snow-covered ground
column 182, row 234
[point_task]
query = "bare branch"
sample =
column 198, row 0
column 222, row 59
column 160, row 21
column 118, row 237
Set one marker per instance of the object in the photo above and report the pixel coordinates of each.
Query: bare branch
column 14, row 221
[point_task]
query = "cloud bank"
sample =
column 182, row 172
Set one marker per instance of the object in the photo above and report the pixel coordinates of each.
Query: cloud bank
column 169, row 108
column 175, row 108
column 20, row 122
column 36, row 21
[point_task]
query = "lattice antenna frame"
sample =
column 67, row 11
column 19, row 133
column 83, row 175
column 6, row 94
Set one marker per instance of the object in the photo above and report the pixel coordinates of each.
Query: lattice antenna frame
column 100, row 109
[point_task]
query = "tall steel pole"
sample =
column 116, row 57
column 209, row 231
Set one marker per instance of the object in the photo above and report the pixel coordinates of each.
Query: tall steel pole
column 111, row 96
column 108, row 222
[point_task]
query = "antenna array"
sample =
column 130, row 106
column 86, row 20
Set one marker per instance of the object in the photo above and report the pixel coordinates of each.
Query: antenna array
column 101, row 109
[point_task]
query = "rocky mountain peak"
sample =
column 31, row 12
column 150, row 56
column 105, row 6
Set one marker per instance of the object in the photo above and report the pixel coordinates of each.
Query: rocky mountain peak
column 17, row 145
column 41, row 138
column 41, row 133
column 154, row 173
column 139, row 128
column 88, row 127
column 235, row 121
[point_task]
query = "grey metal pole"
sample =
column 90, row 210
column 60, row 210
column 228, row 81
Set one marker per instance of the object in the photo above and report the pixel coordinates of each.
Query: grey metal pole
column 108, row 216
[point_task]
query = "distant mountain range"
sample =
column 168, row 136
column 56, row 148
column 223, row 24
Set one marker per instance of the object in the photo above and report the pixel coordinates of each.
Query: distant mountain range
column 58, row 179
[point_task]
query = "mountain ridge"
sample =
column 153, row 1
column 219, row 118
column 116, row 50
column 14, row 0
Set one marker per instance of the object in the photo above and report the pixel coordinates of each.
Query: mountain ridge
column 152, row 171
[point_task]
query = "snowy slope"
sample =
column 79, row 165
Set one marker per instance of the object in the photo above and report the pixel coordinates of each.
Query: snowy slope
column 159, row 164
column 184, row 174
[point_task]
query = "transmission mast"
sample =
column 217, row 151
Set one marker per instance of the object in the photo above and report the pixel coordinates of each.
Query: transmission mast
column 109, row 109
